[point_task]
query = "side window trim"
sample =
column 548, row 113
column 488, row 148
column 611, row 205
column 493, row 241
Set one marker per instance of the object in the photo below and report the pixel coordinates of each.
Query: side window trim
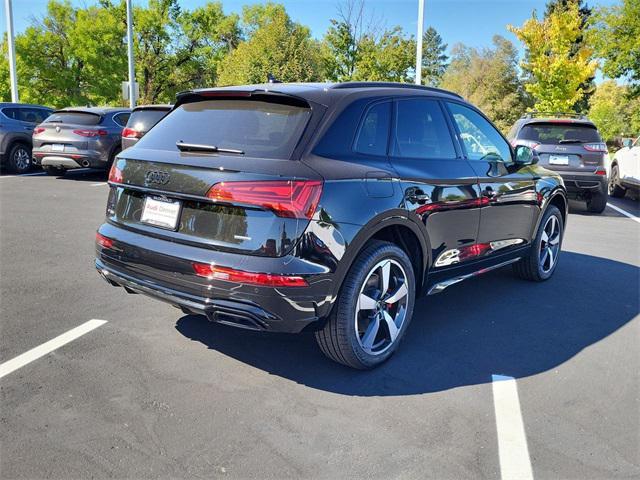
column 445, row 114
column 458, row 137
column 363, row 116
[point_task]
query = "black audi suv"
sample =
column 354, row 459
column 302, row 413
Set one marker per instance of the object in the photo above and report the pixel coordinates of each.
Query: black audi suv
column 324, row 207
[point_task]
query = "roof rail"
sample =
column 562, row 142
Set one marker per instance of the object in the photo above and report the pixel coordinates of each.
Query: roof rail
column 392, row 85
column 535, row 114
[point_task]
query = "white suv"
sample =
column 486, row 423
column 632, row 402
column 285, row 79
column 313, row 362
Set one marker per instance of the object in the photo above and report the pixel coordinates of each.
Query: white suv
column 625, row 169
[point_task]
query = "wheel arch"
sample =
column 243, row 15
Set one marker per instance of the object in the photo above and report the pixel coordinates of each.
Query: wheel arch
column 396, row 228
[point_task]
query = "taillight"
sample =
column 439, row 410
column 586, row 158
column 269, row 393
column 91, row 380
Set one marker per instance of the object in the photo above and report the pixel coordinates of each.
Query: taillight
column 115, row 174
column 91, row 133
column 214, row 272
column 291, row 199
column 104, row 242
column 131, row 133
column 601, row 171
column 38, row 130
column 596, row 147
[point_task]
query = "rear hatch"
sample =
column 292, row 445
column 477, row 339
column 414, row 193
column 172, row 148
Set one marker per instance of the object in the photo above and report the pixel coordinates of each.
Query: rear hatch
column 565, row 145
column 67, row 132
column 219, row 172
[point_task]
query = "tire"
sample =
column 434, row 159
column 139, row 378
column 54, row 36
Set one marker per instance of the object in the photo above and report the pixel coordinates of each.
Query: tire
column 19, row 158
column 532, row 267
column 597, row 202
column 615, row 190
column 54, row 171
column 361, row 337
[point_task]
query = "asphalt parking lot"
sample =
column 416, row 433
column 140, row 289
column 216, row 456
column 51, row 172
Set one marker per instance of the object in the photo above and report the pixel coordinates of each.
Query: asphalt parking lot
column 155, row 393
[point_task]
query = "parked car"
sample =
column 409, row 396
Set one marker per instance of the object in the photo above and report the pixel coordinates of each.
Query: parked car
column 78, row 137
column 324, row 207
column 625, row 169
column 142, row 118
column 570, row 145
column 17, row 121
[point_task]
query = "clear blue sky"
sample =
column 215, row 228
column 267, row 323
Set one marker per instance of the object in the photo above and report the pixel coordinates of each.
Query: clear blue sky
column 472, row 22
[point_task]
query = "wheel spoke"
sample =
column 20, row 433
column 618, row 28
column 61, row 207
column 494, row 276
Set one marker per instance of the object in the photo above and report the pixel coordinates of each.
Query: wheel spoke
column 391, row 325
column 543, row 260
column 545, row 237
column 385, row 273
column 372, row 331
column 551, row 257
column 555, row 239
column 553, row 226
column 365, row 302
column 401, row 292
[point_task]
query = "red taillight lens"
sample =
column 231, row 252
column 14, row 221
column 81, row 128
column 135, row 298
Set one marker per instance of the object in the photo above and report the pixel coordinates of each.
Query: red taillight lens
column 131, row 133
column 103, row 241
column 214, row 272
column 601, row 171
column 596, row 147
column 115, row 174
column 91, row 133
column 291, row 199
column 38, row 130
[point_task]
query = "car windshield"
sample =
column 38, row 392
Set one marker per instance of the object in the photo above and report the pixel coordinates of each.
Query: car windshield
column 74, row 118
column 559, row 133
column 258, row 128
column 143, row 120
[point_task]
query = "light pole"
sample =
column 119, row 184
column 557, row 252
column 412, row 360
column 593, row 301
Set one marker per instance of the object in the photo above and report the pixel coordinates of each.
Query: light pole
column 419, row 42
column 12, row 52
column 132, row 71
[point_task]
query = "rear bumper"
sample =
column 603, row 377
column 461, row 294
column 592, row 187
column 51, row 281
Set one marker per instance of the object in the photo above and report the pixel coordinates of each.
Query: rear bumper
column 578, row 184
column 162, row 270
column 81, row 159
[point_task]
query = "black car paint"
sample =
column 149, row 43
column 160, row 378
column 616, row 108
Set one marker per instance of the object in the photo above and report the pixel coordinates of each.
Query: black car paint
column 364, row 197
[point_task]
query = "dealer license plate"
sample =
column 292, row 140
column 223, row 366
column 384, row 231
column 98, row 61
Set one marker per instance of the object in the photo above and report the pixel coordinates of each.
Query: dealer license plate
column 161, row 213
column 558, row 160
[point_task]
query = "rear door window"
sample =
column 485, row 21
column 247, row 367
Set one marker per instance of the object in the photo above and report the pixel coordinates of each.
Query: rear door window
column 121, row 118
column 421, row 131
column 373, row 134
column 552, row 133
column 259, row 128
column 143, row 120
column 74, row 118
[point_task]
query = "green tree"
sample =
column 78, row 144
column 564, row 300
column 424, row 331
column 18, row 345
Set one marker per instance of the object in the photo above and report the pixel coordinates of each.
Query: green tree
column 434, row 57
column 613, row 112
column 557, row 70
column 343, row 41
column 489, row 79
column 5, row 81
column 388, row 57
column 275, row 45
column 616, row 35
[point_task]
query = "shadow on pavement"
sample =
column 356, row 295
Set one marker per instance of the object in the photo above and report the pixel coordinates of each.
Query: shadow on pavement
column 496, row 324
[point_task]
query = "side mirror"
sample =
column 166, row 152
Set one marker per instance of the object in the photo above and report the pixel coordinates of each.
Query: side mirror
column 525, row 155
column 627, row 142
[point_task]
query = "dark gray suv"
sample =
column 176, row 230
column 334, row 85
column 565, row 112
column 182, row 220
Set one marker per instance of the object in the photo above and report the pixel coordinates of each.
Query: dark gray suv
column 570, row 145
column 77, row 137
column 17, row 121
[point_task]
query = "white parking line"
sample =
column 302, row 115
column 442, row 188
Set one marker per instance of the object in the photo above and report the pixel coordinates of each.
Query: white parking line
column 35, row 353
column 512, row 441
column 624, row 212
column 24, row 175
column 98, row 184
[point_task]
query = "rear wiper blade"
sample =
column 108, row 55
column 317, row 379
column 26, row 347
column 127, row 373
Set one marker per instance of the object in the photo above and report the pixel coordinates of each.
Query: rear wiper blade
column 194, row 147
column 570, row 140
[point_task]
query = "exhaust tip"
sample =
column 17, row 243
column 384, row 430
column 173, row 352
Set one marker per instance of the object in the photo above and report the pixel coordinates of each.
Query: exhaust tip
column 85, row 163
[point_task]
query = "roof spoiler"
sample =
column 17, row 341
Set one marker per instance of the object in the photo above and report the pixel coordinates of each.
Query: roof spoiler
column 535, row 114
column 264, row 94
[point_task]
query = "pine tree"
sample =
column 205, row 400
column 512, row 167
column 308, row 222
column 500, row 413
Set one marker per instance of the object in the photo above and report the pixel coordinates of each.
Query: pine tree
column 434, row 58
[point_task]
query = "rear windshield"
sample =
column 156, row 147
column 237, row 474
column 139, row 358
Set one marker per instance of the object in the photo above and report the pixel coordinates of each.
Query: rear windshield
column 558, row 133
column 143, row 120
column 74, row 118
column 260, row 129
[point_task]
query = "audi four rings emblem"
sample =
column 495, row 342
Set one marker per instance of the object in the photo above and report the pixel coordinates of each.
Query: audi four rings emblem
column 154, row 176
